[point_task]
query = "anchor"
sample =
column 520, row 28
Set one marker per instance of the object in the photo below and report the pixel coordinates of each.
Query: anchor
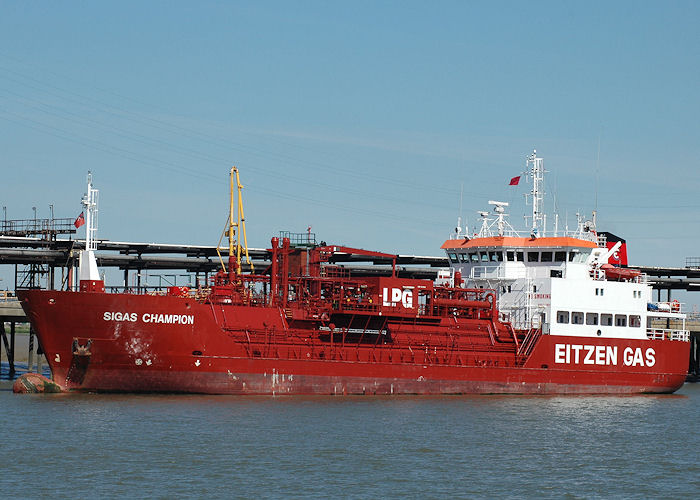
column 79, row 363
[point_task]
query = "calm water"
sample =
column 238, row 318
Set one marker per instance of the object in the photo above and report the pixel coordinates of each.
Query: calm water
column 162, row 446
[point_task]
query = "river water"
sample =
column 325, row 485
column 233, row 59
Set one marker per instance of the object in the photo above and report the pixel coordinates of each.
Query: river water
column 165, row 446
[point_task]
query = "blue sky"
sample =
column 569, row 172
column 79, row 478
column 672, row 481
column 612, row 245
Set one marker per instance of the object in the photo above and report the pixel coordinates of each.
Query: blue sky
column 361, row 119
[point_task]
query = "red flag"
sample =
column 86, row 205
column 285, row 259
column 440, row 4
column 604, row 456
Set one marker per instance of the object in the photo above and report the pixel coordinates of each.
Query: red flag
column 80, row 220
column 514, row 181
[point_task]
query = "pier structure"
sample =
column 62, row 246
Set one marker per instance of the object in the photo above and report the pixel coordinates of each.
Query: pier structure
column 12, row 314
column 61, row 255
column 50, row 253
column 28, row 273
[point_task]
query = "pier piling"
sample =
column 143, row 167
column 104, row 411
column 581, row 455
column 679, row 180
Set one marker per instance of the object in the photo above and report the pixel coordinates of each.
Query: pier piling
column 9, row 346
column 11, row 355
column 694, row 368
column 39, row 353
column 30, row 354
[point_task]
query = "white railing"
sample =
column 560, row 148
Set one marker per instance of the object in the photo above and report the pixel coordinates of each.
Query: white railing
column 487, row 272
column 491, row 230
column 660, row 334
column 523, row 314
column 498, row 272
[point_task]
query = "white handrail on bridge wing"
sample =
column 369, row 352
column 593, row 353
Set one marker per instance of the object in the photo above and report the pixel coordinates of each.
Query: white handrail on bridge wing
column 497, row 272
column 661, row 333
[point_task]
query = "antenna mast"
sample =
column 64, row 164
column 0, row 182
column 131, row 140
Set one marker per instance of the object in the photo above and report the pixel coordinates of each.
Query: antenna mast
column 90, row 204
column 88, row 262
column 535, row 167
column 597, row 167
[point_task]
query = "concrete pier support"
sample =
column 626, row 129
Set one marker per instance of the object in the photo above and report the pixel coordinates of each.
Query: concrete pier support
column 694, row 367
column 8, row 345
column 3, row 340
column 30, row 354
column 11, row 359
column 39, row 354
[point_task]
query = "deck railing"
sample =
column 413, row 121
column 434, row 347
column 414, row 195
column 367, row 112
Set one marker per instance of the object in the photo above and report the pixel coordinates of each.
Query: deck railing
column 664, row 333
column 498, row 272
column 528, row 343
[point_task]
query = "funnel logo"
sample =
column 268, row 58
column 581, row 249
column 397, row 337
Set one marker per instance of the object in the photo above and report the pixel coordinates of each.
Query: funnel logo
column 393, row 296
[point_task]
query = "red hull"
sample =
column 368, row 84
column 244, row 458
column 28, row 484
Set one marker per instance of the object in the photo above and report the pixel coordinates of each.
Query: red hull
column 110, row 342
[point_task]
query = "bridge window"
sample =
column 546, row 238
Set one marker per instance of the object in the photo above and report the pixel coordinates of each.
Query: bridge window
column 635, row 321
column 510, row 255
column 620, row 320
column 533, row 256
column 546, row 257
column 559, row 256
column 591, row 318
column 563, row 317
column 463, row 257
column 520, row 256
column 474, row 257
column 452, row 257
column 484, row 256
column 493, row 257
column 580, row 256
column 606, row 319
column 577, row 318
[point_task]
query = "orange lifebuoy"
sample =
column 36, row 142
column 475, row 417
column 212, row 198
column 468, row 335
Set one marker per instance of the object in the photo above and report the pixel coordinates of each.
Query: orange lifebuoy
column 675, row 306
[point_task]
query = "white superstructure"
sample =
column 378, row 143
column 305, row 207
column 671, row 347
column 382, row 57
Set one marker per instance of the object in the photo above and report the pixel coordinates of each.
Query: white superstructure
column 559, row 282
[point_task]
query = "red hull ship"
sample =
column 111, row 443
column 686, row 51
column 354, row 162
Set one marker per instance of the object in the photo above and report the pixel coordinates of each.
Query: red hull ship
column 306, row 326
column 244, row 349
